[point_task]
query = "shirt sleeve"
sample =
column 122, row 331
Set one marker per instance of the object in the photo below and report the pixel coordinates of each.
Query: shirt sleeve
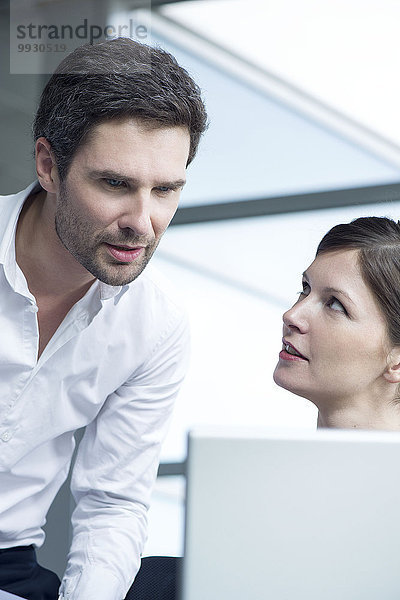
column 114, row 473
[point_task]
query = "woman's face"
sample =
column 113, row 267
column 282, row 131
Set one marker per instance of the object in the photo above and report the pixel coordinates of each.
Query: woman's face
column 340, row 333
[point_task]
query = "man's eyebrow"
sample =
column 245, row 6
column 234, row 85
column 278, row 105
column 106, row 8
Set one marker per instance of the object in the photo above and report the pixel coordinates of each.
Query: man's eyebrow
column 107, row 174
column 331, row 290
column 179, row 183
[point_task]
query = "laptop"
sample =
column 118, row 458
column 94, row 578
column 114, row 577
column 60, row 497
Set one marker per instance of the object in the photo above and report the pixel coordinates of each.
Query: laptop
column 7, row 596
column 292, row 515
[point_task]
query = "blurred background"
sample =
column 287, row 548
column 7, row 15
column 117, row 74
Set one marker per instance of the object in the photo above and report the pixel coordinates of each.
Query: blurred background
column 304, row 133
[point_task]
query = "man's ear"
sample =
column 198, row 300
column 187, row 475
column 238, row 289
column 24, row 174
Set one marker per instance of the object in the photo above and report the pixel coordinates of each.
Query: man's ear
column 392, row 372
column 46, row 167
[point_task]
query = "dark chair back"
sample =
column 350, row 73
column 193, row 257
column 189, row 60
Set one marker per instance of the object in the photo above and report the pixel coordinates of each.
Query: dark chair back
column 159, row 578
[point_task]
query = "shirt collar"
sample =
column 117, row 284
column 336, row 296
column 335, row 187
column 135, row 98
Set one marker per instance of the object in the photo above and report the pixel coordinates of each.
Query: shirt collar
column 9, row 219
column 110, row 291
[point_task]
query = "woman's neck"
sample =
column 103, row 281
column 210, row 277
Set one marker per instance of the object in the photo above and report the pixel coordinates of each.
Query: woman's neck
column 385, row 416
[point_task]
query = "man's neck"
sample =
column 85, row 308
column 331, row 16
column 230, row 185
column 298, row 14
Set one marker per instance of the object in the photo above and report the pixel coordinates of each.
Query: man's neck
column 50, row 270
column 54, row 277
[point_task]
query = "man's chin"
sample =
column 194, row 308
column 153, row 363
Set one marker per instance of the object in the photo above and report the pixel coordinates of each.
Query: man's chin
column 116, row 276
column 111, row 272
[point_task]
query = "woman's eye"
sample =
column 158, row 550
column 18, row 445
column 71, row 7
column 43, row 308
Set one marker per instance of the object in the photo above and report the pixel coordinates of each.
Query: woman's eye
column 334, row 304
column 306, row 289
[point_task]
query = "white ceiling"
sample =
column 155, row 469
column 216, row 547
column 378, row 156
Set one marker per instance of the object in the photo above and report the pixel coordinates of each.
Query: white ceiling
column 345, row 53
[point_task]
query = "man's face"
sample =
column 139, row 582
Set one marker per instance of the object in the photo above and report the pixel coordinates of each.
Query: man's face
column 119, row 196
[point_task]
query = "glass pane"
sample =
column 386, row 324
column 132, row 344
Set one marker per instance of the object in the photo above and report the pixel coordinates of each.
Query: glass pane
column 236, row 279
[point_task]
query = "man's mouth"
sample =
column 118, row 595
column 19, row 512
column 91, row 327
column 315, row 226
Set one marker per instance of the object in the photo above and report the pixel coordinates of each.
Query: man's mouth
column 124, row 247
column 125, row 254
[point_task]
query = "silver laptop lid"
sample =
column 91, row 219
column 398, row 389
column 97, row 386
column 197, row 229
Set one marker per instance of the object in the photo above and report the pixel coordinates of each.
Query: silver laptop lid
column 292, row 515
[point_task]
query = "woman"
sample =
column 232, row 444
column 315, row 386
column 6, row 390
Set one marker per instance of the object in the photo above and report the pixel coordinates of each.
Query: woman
column 341, row 339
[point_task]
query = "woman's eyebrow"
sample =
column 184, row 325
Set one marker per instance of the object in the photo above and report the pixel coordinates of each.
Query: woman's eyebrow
column 331, row 290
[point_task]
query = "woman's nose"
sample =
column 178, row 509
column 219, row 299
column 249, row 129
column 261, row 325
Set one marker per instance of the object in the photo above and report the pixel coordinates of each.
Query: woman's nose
column 296, row 317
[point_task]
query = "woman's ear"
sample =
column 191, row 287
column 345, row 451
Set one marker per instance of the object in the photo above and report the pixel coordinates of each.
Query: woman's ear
column 392, row 372
column 46, row 167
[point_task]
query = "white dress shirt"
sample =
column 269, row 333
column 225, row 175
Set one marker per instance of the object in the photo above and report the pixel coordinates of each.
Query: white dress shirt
column 114, row 365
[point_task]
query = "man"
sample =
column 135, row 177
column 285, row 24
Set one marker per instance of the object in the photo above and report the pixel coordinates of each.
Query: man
column 85, row 342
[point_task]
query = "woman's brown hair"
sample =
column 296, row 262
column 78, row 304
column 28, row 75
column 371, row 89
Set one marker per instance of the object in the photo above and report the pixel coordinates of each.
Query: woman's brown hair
column 378, row 242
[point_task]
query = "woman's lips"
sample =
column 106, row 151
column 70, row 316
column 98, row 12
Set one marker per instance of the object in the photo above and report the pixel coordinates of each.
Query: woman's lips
column 285, row 355
column 124, row 253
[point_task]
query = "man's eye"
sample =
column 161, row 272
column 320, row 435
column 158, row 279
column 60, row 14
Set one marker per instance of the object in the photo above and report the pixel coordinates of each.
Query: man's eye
column 163, row 189
column 115, row 183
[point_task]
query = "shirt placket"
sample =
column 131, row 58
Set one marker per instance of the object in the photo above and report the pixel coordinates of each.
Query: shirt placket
column 76, row 320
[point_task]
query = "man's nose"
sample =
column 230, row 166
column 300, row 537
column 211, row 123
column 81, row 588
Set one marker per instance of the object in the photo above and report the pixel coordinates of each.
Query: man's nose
column 136, row 214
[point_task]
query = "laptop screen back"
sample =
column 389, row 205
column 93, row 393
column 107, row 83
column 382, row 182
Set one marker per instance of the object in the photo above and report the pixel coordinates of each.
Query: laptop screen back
column 300, row 516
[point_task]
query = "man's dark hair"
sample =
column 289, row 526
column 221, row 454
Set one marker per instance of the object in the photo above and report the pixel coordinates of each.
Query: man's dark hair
column 112, row 80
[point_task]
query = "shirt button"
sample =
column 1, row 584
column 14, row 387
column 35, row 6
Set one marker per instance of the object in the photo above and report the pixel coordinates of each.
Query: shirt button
column 6, row 436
